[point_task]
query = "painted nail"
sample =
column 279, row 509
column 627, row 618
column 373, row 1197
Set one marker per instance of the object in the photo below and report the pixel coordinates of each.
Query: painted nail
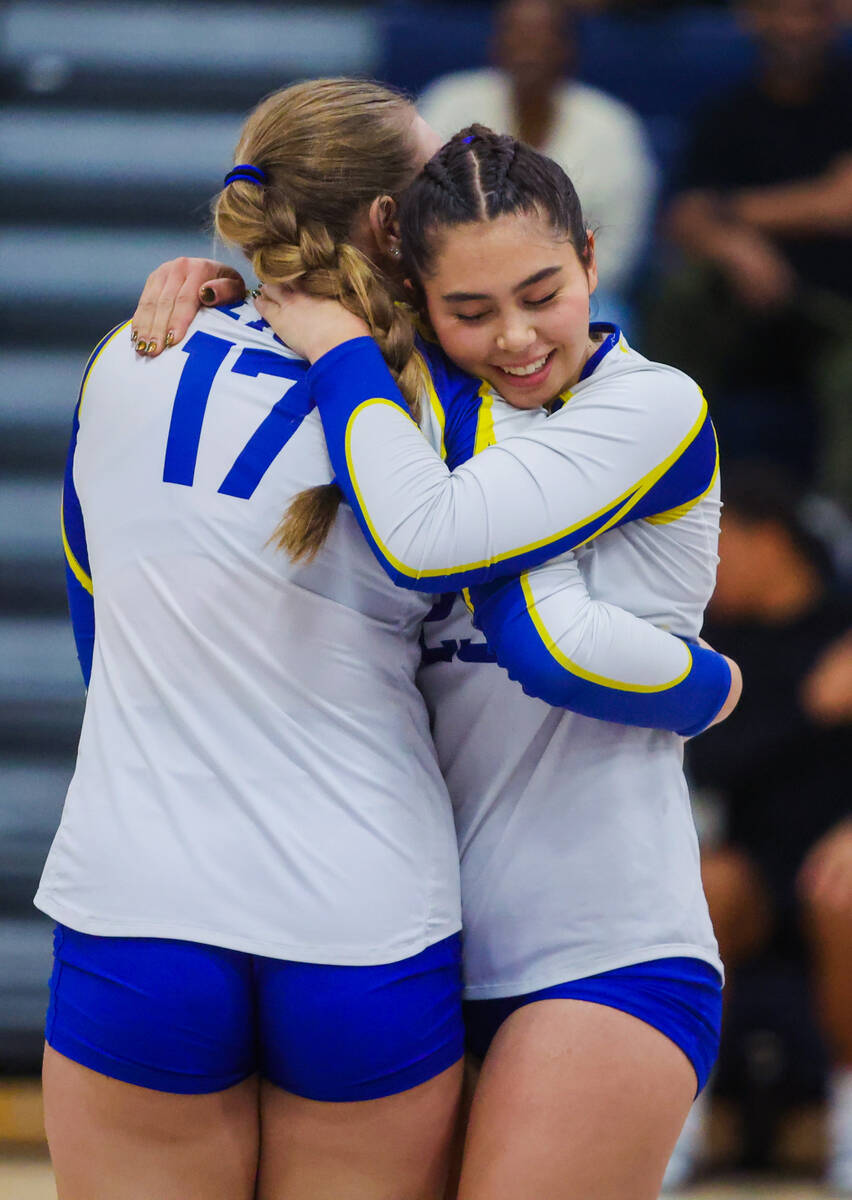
column 134, row 334
column 141, row 347
column 207, row 295
column 170, row 339
column 151, row 347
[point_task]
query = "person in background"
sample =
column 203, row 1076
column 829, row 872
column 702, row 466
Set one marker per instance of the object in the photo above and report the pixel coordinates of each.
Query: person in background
column 782, row 764
column 530, row 93
column 763, row 214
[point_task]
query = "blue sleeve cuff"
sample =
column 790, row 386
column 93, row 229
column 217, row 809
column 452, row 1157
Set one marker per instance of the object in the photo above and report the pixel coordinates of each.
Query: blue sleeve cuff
column 686, row 707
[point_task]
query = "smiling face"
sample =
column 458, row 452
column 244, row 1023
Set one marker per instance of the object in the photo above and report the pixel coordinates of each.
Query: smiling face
column 509, row 301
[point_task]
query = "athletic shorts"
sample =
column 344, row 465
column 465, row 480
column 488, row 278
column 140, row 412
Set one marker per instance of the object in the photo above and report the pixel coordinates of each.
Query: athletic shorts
column 682, row 997
column 190, row 1018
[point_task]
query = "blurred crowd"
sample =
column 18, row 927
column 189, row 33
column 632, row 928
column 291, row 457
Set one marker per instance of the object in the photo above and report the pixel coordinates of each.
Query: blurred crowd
column 734, row 263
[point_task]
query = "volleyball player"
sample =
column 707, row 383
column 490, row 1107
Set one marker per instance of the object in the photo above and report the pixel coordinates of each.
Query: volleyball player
column 592, row 973
column 257, row 987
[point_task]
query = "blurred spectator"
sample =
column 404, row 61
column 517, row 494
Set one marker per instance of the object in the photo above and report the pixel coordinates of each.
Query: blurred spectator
column 782, row 765
column 761, row 314
column 598, row 140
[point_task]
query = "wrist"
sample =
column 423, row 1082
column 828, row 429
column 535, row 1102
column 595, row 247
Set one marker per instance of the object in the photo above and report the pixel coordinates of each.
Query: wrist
column 334, row 334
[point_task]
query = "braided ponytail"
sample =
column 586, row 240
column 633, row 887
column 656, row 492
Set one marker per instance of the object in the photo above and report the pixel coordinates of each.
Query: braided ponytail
column 328, row 148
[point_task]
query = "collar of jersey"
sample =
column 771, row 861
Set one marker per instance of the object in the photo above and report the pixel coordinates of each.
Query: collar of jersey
column 611, row 340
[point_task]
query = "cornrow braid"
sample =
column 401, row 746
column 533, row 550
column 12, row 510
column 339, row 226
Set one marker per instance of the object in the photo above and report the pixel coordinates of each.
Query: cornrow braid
column 480, row 175
column 328, row 149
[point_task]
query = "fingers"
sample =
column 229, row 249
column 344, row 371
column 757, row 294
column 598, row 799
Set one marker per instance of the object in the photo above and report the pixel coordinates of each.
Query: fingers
column 170, row 300
column 227, row 289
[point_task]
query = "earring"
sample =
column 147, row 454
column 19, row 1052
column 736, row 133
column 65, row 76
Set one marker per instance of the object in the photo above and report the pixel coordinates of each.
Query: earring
column 396, row 252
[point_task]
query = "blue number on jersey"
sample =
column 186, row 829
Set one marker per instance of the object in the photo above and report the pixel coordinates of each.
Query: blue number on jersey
column 465, row 650
column 205, row 355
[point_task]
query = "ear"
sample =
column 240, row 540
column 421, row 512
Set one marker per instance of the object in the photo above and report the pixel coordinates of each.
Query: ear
column 384, row 225
column 591, row 263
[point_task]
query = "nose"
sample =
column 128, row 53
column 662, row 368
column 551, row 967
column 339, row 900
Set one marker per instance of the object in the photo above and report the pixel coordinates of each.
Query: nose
column 517, row 333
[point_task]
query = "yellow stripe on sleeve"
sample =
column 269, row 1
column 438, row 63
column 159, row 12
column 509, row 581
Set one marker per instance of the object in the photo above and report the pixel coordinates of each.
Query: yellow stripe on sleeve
column 434, row 399
column 77, row 571
column 574, row 669
column 675, row 514
column 95, row 355
column 621, row 504
column 485, row 435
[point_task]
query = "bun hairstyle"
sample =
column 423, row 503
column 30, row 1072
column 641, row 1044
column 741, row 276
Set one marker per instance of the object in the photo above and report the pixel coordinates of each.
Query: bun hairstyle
column 327, row 148
column 477, row 176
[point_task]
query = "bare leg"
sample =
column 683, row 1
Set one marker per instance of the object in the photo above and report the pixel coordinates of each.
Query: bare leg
column 395, row 1148
column 472, row 1068
column 114, row 1141
column 576, row 1101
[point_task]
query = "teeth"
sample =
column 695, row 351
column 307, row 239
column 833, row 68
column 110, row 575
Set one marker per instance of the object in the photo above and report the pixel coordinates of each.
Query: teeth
column 529, row 369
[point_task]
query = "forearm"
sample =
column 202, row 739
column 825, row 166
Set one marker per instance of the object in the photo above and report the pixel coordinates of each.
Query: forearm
column 696, row 222
column 595, row 659
column 514, row 505
column 809, row 207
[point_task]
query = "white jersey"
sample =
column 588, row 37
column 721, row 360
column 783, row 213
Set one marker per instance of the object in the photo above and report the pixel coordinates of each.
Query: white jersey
column 255, row 768
column 578, row 848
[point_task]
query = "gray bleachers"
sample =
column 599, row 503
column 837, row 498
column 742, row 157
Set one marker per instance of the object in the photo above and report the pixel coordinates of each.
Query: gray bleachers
column 119, row 125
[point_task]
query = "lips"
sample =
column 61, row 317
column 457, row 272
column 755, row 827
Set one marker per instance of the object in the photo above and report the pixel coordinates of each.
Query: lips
column 529, row 369
column 528, row 374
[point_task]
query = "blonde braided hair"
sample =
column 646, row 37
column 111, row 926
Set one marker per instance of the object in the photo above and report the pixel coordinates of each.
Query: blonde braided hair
column 329, row 147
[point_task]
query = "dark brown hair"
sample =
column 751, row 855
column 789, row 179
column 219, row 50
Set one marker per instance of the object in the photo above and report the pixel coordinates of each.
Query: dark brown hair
column 477, row 176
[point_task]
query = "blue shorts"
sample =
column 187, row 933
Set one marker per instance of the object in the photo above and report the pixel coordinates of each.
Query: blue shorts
column 682, row 997
column 189, row 1018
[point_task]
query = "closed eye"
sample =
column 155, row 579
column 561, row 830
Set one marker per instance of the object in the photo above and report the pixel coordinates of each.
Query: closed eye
column 471, row 317
column 543, row 300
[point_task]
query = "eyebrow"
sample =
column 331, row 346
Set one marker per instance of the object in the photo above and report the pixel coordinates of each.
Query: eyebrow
column 544, row 273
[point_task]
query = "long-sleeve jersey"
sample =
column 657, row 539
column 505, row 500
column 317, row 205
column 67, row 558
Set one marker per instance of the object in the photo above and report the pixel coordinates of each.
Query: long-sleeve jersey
column 255, row 767
column 633, row 436
column 578, row 850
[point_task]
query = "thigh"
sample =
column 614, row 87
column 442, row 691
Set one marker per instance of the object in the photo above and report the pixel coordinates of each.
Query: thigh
column 159, row 1013
column 350, row 1033
column 363, row 1070
column 149, row 1072
column 111, row 1140
column 393, row 1148
column 576, row 1101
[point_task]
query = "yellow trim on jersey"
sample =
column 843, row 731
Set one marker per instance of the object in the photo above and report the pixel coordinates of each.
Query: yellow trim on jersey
column 434, row 399
column 622, row 503
column 95, row 355
column 675, row 514
column 465, row 594
column 485, row 435
column 77, row 571
column 579, row 671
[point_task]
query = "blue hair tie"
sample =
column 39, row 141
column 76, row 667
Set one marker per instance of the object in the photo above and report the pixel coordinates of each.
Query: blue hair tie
column 248, row 173
column 466, row 141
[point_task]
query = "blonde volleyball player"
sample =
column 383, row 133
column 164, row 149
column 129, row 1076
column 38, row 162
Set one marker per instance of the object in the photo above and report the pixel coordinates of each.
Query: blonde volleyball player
column 257, row 983
column 593, row 978
column 469, row 652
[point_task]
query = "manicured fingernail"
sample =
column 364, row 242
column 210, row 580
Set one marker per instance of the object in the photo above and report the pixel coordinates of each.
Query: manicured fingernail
column 141, row 347
column 151, row 347
column 133, row 335
column 170, row 339
column 207, row 295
